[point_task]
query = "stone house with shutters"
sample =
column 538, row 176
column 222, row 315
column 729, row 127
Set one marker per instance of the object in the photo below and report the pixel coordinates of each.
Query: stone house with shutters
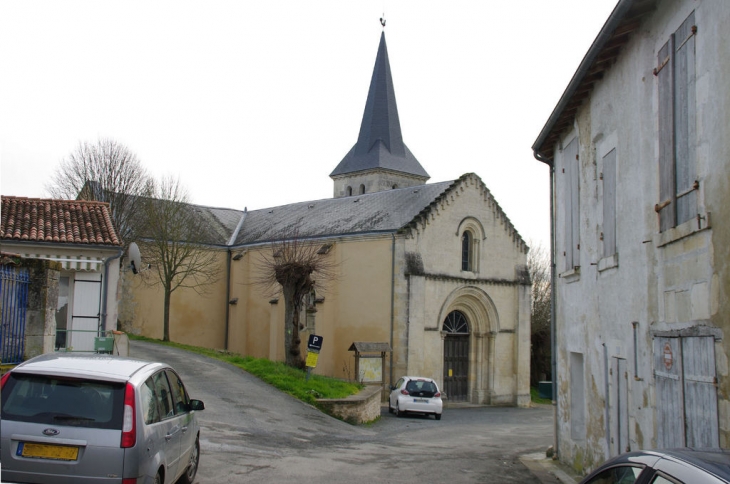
column 639, row 155
column 70, row 251
column 435, row 272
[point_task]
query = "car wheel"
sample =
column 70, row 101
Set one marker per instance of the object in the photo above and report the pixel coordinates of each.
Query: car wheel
column 398, row 411
column 438, row 416
column 189, row 476
column 158, row 478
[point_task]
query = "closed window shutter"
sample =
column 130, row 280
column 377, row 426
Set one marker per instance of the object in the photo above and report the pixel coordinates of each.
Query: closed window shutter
column 572, row 206
column 677, row 164
column 609, row 204
column 666, row 138
column 684, row 119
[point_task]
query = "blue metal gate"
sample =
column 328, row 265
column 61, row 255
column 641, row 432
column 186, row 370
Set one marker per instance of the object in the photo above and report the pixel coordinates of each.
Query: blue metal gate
column 14, row 284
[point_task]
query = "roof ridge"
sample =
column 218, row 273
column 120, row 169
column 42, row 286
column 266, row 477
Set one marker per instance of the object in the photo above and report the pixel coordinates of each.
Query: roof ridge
column 509, row 226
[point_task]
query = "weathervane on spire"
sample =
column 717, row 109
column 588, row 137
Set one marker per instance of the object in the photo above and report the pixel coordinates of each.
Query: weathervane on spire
column 382, row 20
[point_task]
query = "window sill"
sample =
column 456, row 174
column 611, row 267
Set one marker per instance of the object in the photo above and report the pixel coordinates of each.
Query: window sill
column 571, row 275
column 684, row 230
column 608, row 262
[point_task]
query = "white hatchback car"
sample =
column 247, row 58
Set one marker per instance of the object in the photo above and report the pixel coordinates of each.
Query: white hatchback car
column 97, row 418
column 415, row 394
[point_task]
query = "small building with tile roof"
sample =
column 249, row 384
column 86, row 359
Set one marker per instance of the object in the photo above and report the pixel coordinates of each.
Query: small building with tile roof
column 437, row 272
column 78, row 236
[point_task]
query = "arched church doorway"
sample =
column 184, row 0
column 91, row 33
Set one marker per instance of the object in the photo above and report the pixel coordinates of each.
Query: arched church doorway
column 456, row 356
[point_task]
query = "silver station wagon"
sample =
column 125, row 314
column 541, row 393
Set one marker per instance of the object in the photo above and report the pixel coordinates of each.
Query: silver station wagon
column 97, row 419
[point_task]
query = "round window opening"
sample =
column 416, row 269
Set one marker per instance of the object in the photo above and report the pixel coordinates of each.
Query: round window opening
column 455, row 323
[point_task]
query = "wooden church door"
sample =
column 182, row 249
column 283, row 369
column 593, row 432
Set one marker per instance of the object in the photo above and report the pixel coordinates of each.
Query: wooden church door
column 456, row 357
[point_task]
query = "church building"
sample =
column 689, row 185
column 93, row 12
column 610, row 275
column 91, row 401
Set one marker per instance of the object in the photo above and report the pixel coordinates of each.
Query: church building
column 430, row 278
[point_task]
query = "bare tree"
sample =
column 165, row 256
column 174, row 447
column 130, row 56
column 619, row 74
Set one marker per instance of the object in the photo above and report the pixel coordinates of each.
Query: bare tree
column 294, row 267
column 538, row 265
column 174, row 244
column 106, row 171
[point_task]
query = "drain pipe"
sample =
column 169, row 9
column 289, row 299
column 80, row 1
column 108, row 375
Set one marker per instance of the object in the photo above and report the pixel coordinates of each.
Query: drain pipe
column 228, row 296
column 553, row 324
column 106, row 287
column 553, row 303
column 392, row 305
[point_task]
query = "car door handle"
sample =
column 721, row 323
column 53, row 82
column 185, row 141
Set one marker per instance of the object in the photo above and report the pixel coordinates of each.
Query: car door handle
column 172, row 433
column 185, row 429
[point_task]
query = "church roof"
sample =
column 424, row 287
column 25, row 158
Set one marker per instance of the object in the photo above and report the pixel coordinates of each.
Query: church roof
column 386, row 211
column 380, row 143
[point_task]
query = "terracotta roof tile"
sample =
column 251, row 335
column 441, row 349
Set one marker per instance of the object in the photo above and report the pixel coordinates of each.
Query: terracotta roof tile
column 60, row 221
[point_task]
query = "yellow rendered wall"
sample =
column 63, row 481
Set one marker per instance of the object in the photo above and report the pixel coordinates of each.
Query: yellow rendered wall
column 195, row 319
column 356, row 306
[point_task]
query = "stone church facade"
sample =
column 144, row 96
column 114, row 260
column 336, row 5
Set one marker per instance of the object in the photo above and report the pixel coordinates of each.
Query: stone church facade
column 436, row 273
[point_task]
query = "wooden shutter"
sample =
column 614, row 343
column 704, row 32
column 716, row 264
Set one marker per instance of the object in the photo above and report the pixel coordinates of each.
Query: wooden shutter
column 666, row 137
column 684, row 120
column 669, row 392
column 609, row 204
column 677, row 125
column 700, row 392
column 572, row 205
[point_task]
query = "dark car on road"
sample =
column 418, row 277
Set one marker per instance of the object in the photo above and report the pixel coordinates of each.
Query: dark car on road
column 667, row 466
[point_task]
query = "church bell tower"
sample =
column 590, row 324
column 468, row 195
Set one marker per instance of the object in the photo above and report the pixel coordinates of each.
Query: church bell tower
column 379, row 160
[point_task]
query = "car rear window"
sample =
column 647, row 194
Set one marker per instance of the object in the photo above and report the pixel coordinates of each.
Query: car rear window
column 63, row 401
column 415, row 386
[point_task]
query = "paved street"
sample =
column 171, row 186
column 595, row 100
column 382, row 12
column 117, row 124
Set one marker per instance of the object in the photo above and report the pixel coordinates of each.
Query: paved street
column 253, row 433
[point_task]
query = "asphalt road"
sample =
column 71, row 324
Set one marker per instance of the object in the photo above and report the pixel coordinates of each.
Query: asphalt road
column 250, row 432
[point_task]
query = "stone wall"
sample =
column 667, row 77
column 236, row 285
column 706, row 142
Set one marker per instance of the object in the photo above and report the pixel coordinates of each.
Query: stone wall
column 356, row 409
column 40, row 326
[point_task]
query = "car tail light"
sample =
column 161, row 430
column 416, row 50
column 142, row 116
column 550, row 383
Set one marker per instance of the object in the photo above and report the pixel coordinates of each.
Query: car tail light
column 129, row 425
column 405, row 392
column 437, row 394
column 131, row 480
column 4, row 379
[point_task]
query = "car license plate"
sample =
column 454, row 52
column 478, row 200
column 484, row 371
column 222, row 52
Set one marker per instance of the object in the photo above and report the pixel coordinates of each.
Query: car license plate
column 48, row 451
column 420, row 400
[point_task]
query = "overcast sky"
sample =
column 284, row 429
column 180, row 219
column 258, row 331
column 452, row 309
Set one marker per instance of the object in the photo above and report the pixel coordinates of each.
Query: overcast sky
column 253, row 104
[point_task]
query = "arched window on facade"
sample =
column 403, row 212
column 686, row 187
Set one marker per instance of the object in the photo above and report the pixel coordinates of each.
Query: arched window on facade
column 348, row 191
column 455, row 323
column 467, row 251
column 395, row 185
column 362, row 189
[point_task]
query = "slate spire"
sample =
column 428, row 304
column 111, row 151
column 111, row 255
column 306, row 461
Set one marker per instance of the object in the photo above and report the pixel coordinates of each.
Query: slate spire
column 380, row 143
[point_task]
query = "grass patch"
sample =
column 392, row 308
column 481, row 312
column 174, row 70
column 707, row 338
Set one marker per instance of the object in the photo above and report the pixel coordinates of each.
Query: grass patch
column 535, row 396
column 285, row 378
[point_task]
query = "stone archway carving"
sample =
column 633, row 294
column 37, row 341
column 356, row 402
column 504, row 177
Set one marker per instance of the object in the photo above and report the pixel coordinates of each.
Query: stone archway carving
column 483, row 320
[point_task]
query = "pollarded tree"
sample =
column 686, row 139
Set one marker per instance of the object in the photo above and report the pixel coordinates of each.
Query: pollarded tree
column 294, row 267
column 105, row 171
column 174, row 243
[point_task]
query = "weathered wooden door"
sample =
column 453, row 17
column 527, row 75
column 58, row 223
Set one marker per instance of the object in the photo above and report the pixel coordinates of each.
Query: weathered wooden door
column 456, row 357
column 700, row 392
column 620, row 407
column 686, row 395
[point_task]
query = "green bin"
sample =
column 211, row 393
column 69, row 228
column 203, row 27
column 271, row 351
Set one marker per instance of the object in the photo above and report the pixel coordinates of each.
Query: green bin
column 545, row 389
column 104, row 344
